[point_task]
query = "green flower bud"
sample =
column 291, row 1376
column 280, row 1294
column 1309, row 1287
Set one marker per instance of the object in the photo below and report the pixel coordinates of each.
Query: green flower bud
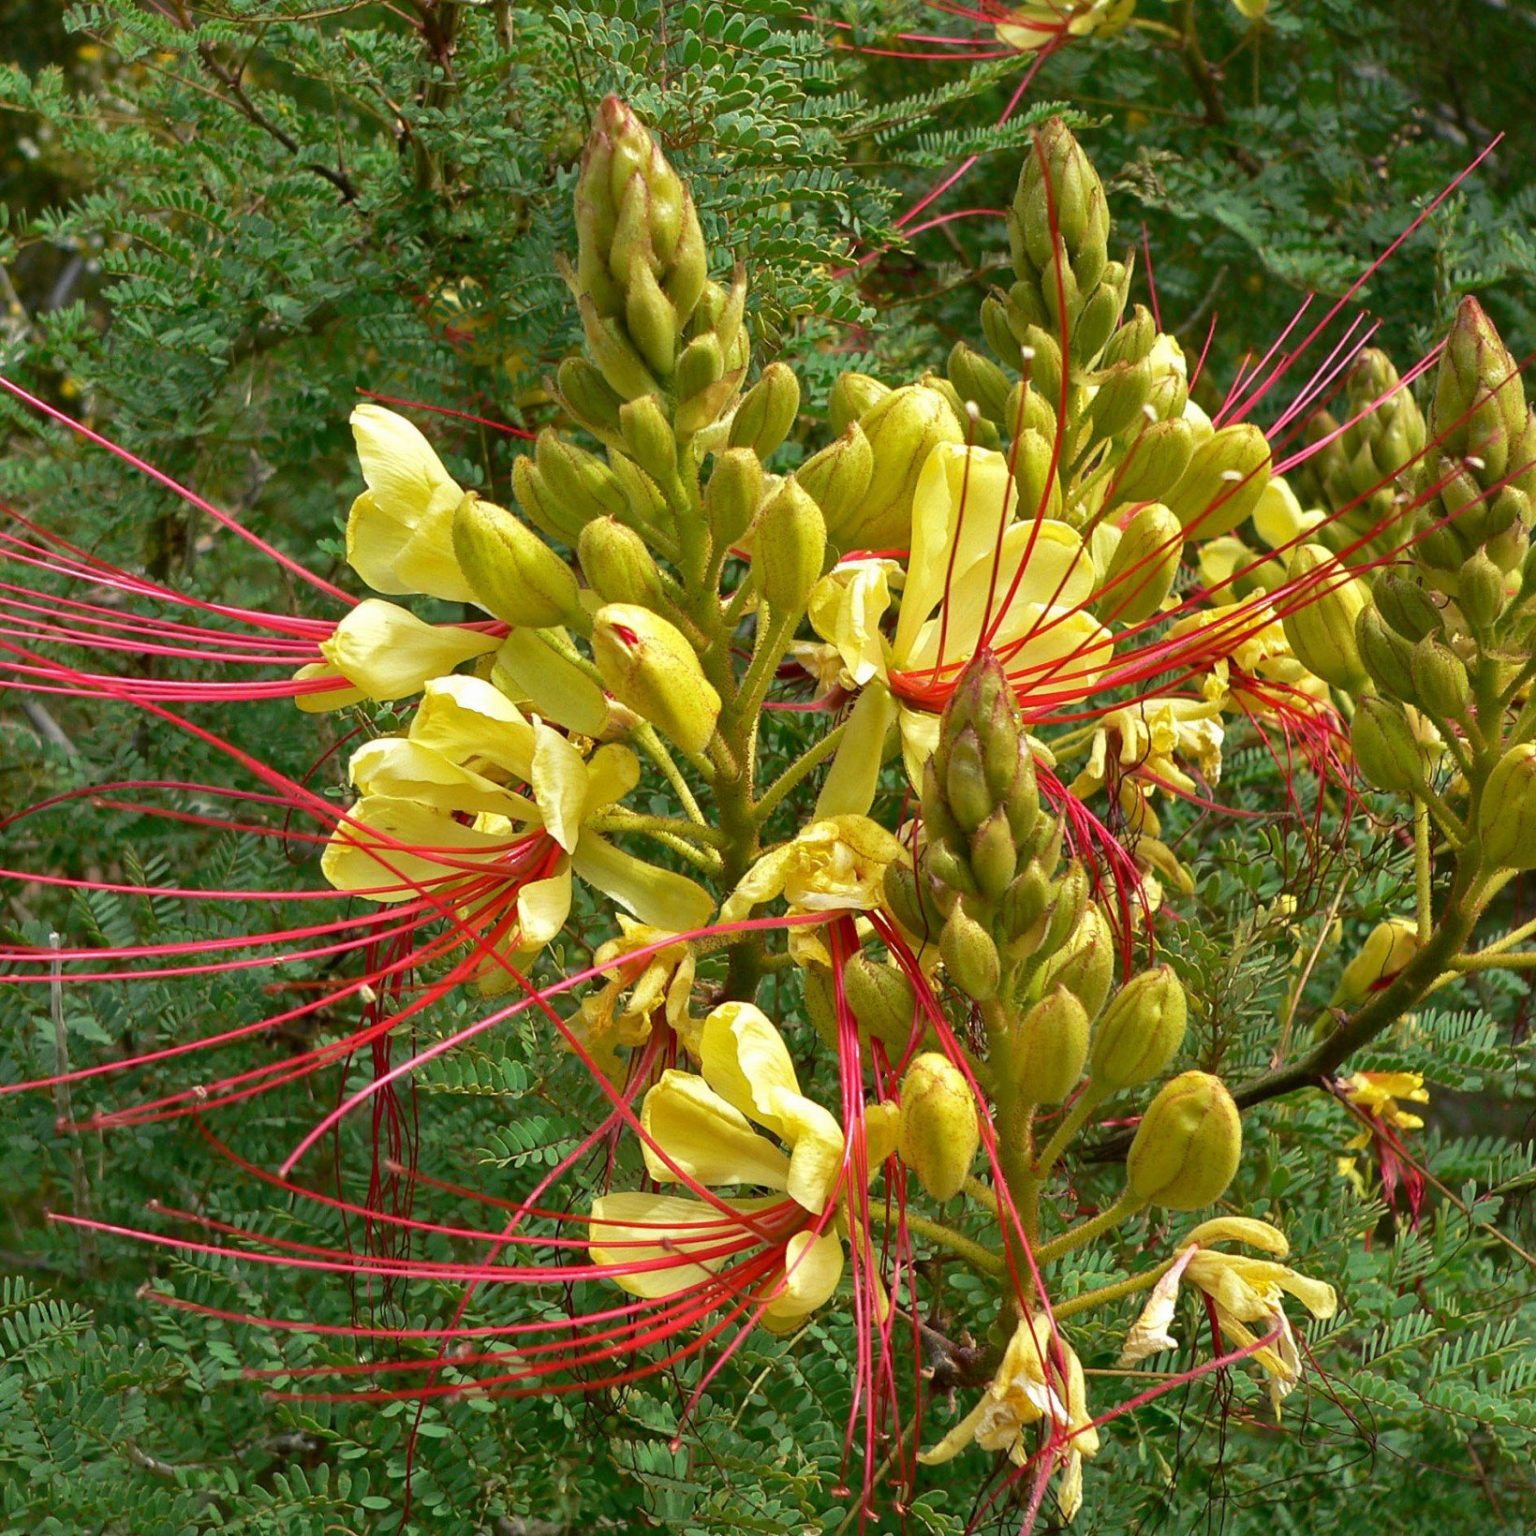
column 1101, row 313
column 970, row 956
column 979, row 379
column 949, row 872
column 1141, row 1030
column 586, row 395
column 1133, row 341
column 1024, row 903
column 1122, row 391
column 1320, row 617
column 1029, row 411
column 1187, row 1146
column 1156, row 460
column 1036, row 475
column 731, row 498
column 618, row 565
column 578, row 482
column 648, row 665
column 1479, row 409
column 966, row 792
column 1073, row 894
column 1059, row 203
column 616, row 356
column 1440, row 679
column 1022, row 801
column 644, row 505
column 1143, row 567
column 1051, row 1048
column 1506, row 814
column 553, row 517
column 853, row 396
column 650, row 319
column 1386, row 752
column 648, row 436
column 1480, row 591
column 903, row 429
column 1386, row 951
column 789, row 549
column 838, row 477
column 1386, row 656
column 883, row 1001
column 514, row 574
column 701, row 366
column 767, row 411
column 939, row 1131
column 994, row 855
column 906, row 899
column 1085, row 964
column 1040, row 360
column 1225, row 479
column 1406, row 606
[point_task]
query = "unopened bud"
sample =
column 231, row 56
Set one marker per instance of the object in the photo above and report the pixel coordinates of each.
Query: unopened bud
column 883, row 1001
column 1085, row 964
column 979, row 379
column 1384, row 747
column 1479, row 408
column 1059, row 205
column 1101, row 314
column 1319, row 617
column 1225, row 479
column 767, row 411
column 616, row 357
column 994, row 855
column 1156, row 460
column 788, row 550
column 1134, row 340
column 1187, row 1146
column 1480, row 591
column 586, row 394
column 1387, row 950
column 731, row 497
column 1141, row 1031
column 579, row 482
column 514, row 574
column 1073, row 893
column 970, row 956
column 648, row 436
column 966, row 792
column 618, row 565
column 1051, row 1048
column 838, row 477
column 648, row 665
column 1440, row 679
column 903, row 429
column 1143, row 567
column 853, row 396
column 906, row 899
column 939, row 1130
column 1117, row 402
column 553, row 516
column 1506, row 815
column 1386, row 656
column 1407, row 607
column 1024, row 903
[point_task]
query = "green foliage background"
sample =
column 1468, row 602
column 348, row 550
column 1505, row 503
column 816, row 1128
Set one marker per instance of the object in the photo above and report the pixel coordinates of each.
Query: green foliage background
column 224, row 220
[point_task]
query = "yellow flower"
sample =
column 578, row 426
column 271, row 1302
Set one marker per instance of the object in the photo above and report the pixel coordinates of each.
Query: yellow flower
column 400, row 530
column 621, row 1011
column 836, row 865
column 1377, row 1093
column 1252, row 666
column 970, row 545
column 386, row 652
column 435, row 812
column 1041, row 22
column 1040, row 1376
column 706, row 1128
column 1151, row 737
column 1243, row 1291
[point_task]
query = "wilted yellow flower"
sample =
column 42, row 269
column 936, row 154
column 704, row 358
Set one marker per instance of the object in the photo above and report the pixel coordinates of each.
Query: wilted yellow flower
column 1040, row 1376
column 701, row 1128
column 1151, row 737
column 1252, row 664
column 1244, row 1291
column 835, row 865
column 620, row 1012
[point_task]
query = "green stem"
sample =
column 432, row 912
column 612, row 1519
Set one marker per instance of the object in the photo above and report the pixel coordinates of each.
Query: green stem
column 1422, row 872
column 1108, row 1293
column 1078, row 1237
column 983, row 1260
column 797, row 770
column 1077, row 1117
column 656, row 749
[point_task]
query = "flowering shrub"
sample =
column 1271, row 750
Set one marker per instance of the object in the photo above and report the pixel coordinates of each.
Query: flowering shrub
column 871, row 1004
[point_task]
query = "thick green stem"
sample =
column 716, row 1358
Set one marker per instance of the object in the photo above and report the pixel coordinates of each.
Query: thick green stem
column 1080, row 1236
column 1108, row 1293
column 797, row 770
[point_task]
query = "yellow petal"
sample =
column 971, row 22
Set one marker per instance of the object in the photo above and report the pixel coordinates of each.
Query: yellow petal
column 630, row 1229
column 957, row 1439
column 816, row 1163
column 542, row 908
column 812, row 1267
column 661, row 897
column 612, row 771
column 855, row 772
column 706, row 1137
column 405, row 770
column 1149, row 1334
column 365, row 852
column 559, row 785
column 475, row 724
column 846, row 608
column 1240, row 1229
column 744, row 1059
column 320, row 700
column 919, row 741
column 388, row 653
column 881, row 1126
column 527, row 668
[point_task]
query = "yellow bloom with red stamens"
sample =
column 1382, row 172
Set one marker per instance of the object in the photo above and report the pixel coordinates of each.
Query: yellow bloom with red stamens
column 1252, row 667
column 1377, row 1095
column 1150, row 738
column 1040, row 1377
column 835, row 865
column 708, row 1128
column 622, row 1011
column 1247, row 1294
column 436, row 812
column 1041, row 23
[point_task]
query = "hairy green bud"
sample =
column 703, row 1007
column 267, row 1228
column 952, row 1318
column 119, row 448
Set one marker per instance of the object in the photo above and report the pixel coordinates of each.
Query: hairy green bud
column 1141, row 1031
column 1187, row 1146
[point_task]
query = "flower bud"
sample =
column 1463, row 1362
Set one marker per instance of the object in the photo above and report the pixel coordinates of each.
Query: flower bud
column 1440, row 679
column 1406, row 606
column 701, row 367
column 903, row 428
column 970, row 956
column 648, row 665
column 1387, row 949
column 1156, row 460
column 788, row 550
column 1141, row 1030
column 515, row 575
column 1059, row 204
column 966, row 792
column 882, row 999
column 623, row 368
column 550, row 514
column 1024, row 903
column 579, row 483
column 1036, row 474
column 1143, row 567
column 648, row 436
column 1506, row 815
column 1384, row 747
column 1479, row 408
column 1101, row 313
column 994, row 855
column 586, row 395
column 767, row 411
column 1187, row 1146
column 1085, row 964
column 1225, row 479
column 1480, row 591
column 838, row 477
column 938, row 1132
column 1051, row 1048
column 1386, row 656
column 907, row 900
column 853, row 396
column 1323, row 604
column 979, row 379
column 1072, row 896
column 618, row 565
column 1117, row 401
column 730, row 499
